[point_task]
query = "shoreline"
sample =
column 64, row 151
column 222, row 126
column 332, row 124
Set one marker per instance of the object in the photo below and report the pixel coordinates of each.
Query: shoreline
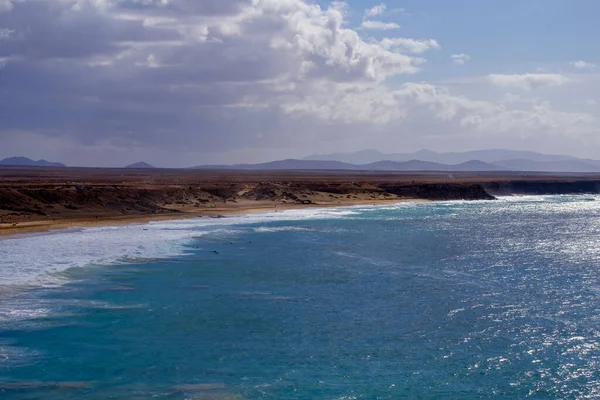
column 41, row 226
column 42, row 200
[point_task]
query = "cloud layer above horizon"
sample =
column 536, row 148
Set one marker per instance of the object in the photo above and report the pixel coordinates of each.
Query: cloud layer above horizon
column 182, row 82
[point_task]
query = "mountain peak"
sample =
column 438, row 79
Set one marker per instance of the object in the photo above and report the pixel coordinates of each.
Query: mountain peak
column 140, row 165
column 28, row 162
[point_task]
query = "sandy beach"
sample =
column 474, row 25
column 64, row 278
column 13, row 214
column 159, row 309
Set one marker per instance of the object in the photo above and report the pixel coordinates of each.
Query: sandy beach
column 40, row 225
column 36, row 199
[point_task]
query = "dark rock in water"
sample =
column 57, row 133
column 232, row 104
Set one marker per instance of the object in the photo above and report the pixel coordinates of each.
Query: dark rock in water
column 217, row 216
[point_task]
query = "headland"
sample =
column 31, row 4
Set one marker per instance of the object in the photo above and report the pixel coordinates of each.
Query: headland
column 34, row 199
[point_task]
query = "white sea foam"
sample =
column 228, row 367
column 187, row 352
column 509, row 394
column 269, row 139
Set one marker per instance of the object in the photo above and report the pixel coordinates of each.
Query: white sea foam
column 10, row 354
column 19, row 312
column 549, row 198
column 266, row 229
column 38, row 260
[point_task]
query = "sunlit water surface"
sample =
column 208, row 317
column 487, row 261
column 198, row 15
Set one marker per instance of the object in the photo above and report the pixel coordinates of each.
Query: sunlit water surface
column 453, row 300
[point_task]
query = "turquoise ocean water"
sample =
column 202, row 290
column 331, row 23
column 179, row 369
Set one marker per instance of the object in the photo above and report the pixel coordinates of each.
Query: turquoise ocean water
column 457, row 300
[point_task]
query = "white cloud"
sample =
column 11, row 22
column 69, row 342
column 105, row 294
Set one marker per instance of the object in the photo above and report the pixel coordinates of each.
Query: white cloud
column 528, row 81
column 377, row 10
column 428, row 109
column 410, row 45
column 379, row 25
column 6, row 5
column 460, row 59
column 580, row 64
column 6, row 33
column 317, row 36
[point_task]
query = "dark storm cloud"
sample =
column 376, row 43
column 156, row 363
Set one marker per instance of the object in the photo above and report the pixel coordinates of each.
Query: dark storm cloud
column 182, row 8
column 48, row 29
column 180, row 102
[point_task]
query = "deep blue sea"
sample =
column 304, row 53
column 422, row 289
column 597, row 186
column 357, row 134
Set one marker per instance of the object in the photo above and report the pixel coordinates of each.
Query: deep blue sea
column 453, row 300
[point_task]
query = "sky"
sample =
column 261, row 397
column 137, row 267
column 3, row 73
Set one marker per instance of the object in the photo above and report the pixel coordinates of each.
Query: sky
column 178, row 83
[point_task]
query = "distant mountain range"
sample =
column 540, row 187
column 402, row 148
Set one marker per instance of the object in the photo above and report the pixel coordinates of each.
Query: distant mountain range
column 27, row 162
column 500, row 159
column 497, row 160
column 412, row 165
column 140, row 165
column 488, row 156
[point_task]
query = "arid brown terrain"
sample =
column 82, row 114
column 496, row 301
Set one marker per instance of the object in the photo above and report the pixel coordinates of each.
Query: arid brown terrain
column 34, row 198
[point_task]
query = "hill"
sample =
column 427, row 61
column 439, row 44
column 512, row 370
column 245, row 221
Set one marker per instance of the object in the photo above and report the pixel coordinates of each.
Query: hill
column 27, row 162
column 140, row 165
column 289, row 164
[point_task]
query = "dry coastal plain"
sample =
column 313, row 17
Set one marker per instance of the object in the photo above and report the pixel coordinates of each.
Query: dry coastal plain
column 36, row 199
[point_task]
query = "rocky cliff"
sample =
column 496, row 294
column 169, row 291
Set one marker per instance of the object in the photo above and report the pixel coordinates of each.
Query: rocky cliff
column 507, row 188
column 439, row 191
column 19, row 203
column 57, row 194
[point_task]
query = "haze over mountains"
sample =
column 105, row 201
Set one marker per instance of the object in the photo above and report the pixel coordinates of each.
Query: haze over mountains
column 412, row 165
column 496, row 160
column 490, row 156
